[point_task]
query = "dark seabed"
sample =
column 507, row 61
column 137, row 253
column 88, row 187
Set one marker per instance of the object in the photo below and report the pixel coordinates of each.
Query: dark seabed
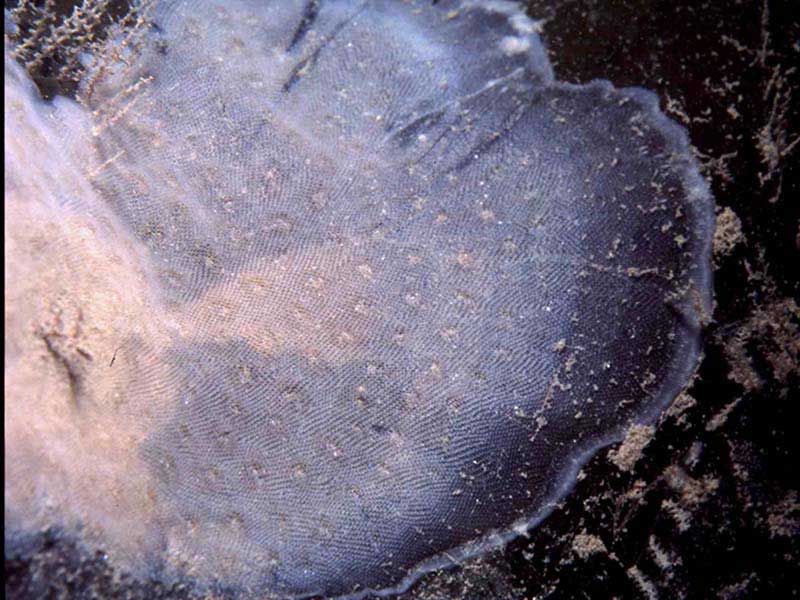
column 706, row 503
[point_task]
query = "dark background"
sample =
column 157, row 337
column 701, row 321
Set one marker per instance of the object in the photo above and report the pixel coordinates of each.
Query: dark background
column 708, row 506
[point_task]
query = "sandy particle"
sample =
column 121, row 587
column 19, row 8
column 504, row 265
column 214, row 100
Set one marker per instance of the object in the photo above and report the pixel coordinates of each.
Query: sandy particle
column 728, row 232
column 586, row 544
column 630, row 451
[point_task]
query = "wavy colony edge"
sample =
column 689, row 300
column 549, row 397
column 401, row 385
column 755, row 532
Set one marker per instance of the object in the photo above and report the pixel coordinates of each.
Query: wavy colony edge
column 310, row 298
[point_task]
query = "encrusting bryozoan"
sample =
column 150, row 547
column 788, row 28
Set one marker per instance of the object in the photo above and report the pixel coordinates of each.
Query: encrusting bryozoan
column 312, row 297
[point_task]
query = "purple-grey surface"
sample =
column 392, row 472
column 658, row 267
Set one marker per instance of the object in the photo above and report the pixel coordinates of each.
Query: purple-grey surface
column 707, row 493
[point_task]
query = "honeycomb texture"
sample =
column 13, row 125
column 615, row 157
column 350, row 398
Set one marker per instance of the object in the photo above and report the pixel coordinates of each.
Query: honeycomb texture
column 333, row 293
